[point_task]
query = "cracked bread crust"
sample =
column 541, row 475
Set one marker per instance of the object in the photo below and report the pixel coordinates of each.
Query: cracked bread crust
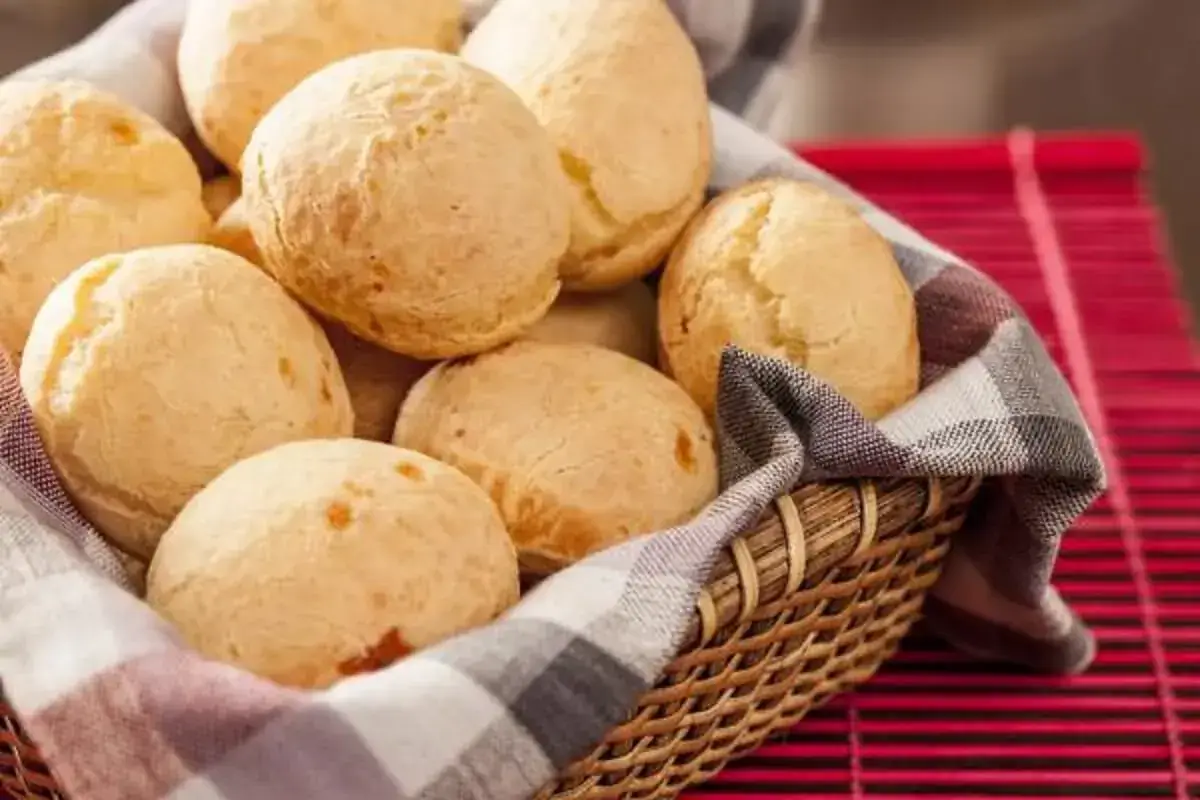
column 412, row 198
column 149, row 372
column 620, row 88
column 580, row 447
column 318, row 560
column 237, row 58
column 783, row 268
column 82, row 174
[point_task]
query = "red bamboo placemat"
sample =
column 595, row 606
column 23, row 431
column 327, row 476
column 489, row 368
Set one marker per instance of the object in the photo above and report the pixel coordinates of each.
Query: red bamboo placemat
column 1066, row 226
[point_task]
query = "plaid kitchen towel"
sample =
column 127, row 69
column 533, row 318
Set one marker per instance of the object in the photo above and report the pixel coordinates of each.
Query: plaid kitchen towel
column 123, row 711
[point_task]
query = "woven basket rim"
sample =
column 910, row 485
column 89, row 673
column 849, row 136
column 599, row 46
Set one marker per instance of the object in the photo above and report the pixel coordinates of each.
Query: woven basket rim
column 783, row 623
column 749, row 576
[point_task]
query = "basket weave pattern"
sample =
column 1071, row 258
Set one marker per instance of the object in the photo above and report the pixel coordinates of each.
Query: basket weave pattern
column 807, row 604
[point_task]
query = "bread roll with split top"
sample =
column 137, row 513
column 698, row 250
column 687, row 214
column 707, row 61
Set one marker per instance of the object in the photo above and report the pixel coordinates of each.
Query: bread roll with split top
column 150, row 372
column 786, row 269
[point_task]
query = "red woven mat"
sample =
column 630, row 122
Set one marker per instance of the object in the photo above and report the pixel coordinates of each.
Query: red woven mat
column 1066, row 226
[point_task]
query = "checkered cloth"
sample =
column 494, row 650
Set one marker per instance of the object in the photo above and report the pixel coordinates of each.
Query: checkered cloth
column 123, row 710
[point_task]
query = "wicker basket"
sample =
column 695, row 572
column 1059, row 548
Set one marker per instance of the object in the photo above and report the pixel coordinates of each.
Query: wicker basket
column 807, row 604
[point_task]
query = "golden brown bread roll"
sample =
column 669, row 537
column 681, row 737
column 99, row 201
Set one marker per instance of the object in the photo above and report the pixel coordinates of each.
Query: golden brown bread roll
column 238, row 57
column 220, row 193
column 785, row 269
column 82, row 174
column 580, row 447
column 233, row 234
column 378, row 380
column 150, row 372
column 621, row 320
column 322, row 559
column 621, row 90
column 412, row 198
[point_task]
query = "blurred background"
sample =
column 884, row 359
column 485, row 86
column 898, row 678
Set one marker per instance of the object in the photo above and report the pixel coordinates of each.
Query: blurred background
column 936, row 68
column 931, row 68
